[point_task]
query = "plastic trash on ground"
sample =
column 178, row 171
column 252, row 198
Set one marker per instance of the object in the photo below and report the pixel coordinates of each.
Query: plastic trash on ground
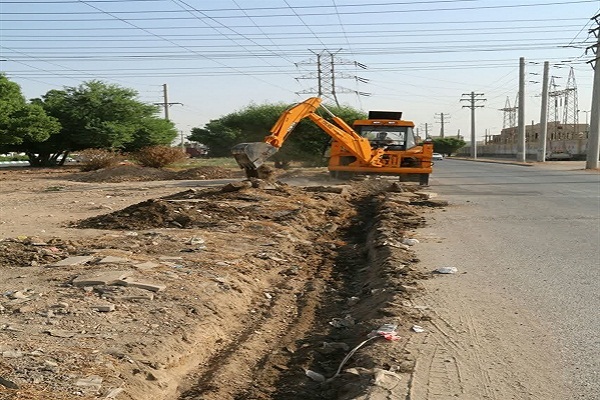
column 446, row 270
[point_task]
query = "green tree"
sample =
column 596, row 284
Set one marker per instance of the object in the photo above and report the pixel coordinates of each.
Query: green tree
column 307, row 142
column 98, row 115
column 20, row 121
column 447, row 146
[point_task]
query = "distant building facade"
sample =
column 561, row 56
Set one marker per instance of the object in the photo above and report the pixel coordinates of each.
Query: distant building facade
column 566, row 139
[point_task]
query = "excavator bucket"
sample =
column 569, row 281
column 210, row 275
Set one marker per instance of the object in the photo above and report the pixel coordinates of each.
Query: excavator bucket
column 250, row 156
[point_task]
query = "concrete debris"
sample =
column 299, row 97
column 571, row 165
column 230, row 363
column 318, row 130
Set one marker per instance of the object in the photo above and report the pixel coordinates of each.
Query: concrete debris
column 17, row 295
column 113, row 393
column 377, row 376
column 102, row 278
column 446, row 270
column 235, row 186
column 72, row 261
column 418, row 329
column 146, row 265
column 113, row 260
column 153, row 287
column 12, row 354
column 60, row 333
column 93, row 382
column 170, row 258
column 426, row 195
column 104, row 307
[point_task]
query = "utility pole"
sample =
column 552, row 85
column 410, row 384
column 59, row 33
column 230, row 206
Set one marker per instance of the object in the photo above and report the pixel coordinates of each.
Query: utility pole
column 443, row 117
column 593, row 151
column 521, row 149
column 544, row 115
column 473, row 99
column 426, row 127
column 165, row 104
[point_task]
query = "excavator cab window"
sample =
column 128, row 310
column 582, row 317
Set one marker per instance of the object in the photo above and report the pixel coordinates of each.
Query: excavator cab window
column 391, row 137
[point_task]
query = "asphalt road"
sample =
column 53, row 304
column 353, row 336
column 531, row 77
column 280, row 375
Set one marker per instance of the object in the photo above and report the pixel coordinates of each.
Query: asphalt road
column 532, row 234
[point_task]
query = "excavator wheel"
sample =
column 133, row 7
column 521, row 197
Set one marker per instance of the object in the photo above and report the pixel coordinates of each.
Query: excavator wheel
column 424, row 179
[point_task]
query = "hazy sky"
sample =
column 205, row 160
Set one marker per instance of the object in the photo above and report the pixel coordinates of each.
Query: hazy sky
column 218, row 56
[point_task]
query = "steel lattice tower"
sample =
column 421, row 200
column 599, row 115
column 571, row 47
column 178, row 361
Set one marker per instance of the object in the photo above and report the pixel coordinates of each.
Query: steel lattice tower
column 326, row 75
column 510, row 115
column 570, row 102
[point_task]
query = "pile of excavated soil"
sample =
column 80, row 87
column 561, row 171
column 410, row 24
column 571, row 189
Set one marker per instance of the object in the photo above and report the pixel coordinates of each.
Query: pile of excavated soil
column 217, row 208
column 226, row 293
column 136, row 173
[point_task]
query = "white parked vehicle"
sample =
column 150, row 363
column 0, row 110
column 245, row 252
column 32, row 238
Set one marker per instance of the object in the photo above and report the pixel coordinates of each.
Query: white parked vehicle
column 437, row 156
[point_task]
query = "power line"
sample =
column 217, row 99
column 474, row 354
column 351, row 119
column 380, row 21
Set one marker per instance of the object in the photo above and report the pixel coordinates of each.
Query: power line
column 355, row 24
column 320, row 13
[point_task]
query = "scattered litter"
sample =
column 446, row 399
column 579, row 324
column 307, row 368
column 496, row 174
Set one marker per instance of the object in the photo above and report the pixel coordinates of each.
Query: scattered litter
column 418, row 329
column 352, row 301
column 345, row 322
column 446, row 270
column 409, row 241
column 196, row 241
column 315, row 376
column 387, row 331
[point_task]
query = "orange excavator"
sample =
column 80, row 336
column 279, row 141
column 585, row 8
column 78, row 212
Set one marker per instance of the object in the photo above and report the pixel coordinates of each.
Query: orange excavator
column 383, row 144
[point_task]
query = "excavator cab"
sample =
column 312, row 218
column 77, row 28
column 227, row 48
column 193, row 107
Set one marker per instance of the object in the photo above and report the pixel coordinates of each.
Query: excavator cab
column 388, row 137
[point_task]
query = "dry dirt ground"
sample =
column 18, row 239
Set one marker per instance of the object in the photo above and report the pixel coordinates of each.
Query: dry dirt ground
column 134, row 283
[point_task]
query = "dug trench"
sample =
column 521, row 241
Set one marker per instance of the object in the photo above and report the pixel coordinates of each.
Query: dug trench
column 260, row 292
column 355, row 277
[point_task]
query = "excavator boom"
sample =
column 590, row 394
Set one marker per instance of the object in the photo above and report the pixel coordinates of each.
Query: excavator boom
column 250, row 156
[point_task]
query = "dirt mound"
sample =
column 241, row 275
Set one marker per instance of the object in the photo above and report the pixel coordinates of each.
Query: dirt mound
column 136, row 173
column 207, row 172
column 212, row 208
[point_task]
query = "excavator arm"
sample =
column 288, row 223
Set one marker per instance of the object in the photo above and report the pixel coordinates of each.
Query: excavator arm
column 251, row 156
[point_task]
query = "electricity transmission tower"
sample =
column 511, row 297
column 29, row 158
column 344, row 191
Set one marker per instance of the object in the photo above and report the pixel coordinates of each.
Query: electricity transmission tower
column 326, row 75
column 565, row 103
column 555, row 95
column 570, row 102
column 510, row 115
